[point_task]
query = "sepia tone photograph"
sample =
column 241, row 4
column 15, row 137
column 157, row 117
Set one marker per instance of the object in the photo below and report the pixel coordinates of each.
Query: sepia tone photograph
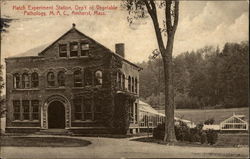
column 124, row 79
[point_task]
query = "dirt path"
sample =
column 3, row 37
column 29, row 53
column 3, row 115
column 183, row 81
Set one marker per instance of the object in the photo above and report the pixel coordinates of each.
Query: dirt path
column 118, row 148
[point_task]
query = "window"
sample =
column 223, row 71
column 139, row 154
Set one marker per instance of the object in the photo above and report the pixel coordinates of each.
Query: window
column 78, row 108
column 78, row 78
column 26, row 109
column 131, row 113
column 119, row 79
column 88, row 109
column 34, row 80
column 25, row 80
column 35, row 109
column 17, row 80
column 61, row 78
column 74, row 49
column 17, row 110
column 133, row 85
column 63, row 50
column 123, row 81
column 136, row 87
column 98, row 78
column 88, row 77
column 51, row 79
column 129, row 83
column 136, row 112
column 97, row 108
column 84, row 49
column 83, row 108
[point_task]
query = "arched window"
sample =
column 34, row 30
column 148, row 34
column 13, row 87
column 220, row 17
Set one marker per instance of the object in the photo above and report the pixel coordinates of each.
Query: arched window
column 133, row 84
column 136, row 85
column 34, row 80
column 98, row 77
column 88, row 77
column 61, row 78
column 17, row 80
column 78, row 78
column 129, row 83
column 51, row 79
column 123, row 81
column 25, row 80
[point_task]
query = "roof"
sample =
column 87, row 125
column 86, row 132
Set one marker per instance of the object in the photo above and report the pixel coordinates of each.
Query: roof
column 235, row 118
column 32, row 52
column 40, row 50
column 147, row 108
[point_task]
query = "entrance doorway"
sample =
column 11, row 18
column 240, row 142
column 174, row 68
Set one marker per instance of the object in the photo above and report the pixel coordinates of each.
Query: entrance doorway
column 56, row 115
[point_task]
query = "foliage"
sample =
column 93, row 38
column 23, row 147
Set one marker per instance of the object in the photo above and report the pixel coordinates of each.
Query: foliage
column 203, row 137
column 121, row 117
column 2, row 108
column 207, row 77
column 209, row 121
column 184, row 133
column 212, row 136
column 158, row 132
column 5, row 24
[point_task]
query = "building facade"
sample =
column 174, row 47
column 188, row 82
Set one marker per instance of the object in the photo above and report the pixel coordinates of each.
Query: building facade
column 76, row 84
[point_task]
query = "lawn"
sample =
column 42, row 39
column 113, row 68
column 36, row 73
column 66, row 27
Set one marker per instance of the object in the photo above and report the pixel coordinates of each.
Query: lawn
column 198, row 115
column 42, row 141
column 235, row 140
column 224, row 140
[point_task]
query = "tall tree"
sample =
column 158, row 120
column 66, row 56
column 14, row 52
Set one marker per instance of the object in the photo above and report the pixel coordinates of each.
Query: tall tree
column 165, row 38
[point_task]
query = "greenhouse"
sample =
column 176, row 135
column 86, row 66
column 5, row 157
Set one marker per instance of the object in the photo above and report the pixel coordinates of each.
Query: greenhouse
column 235, row 122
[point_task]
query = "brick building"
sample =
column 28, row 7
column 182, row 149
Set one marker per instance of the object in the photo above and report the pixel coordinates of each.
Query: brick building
column 75, row 84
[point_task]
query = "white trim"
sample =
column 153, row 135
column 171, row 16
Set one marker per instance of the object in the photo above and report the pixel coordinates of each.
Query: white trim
column 233, row 117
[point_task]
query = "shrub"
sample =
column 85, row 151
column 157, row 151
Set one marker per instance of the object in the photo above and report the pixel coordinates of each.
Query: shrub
column 203, row 137
column 182, row 132
column 209, row 122
column 194, row 135
column 159, row 131
column 212, row 136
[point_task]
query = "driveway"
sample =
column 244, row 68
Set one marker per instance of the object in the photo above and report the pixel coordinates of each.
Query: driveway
column 121, row 148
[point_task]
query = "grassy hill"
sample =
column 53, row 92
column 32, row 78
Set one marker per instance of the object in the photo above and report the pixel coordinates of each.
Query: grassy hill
column 198, row 115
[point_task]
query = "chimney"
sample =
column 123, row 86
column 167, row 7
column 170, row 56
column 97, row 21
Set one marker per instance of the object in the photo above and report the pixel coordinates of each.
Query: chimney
column 119, row 49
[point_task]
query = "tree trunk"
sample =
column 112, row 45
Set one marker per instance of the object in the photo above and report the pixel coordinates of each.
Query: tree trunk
column 169, row 92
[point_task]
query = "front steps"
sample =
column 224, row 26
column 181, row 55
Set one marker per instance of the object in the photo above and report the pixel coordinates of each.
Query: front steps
column 75, row 131
column 54, row 132
column 90, row 131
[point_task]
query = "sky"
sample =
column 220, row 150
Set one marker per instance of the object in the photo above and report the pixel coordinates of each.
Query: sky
column 201, row 23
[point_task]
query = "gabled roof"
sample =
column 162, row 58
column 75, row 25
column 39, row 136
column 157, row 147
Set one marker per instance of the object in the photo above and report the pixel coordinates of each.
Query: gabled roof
column 234, row 117
column 73, row 28
column 40, row 50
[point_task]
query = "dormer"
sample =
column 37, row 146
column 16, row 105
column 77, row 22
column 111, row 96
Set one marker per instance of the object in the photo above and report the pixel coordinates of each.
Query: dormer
column 73, row 44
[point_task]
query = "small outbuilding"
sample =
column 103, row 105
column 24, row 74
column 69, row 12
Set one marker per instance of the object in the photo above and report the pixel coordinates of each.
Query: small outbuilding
column 235, row 122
